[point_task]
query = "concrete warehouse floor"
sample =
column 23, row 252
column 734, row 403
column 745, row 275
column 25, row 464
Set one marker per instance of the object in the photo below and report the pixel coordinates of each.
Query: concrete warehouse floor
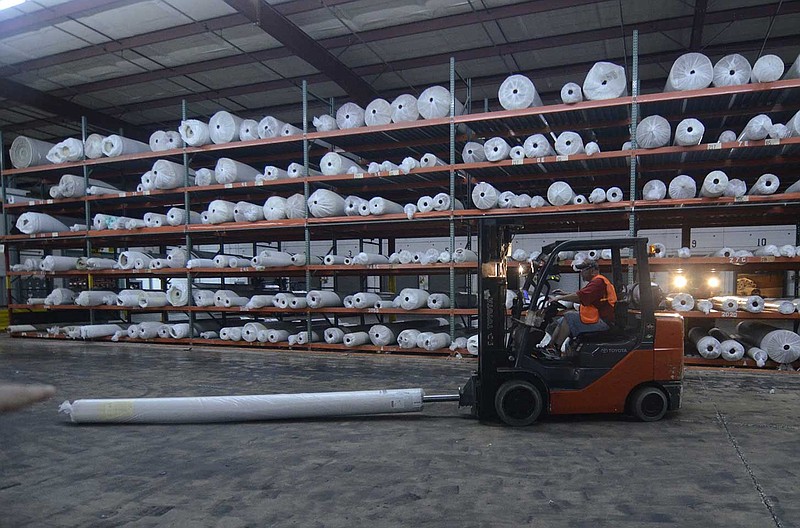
column 727, row 459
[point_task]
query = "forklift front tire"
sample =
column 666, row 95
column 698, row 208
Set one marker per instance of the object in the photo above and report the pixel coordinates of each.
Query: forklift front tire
column 518, row 403
column 649, row 404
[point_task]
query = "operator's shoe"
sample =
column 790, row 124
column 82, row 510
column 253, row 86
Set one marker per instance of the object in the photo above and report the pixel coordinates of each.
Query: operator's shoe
column 550, row 353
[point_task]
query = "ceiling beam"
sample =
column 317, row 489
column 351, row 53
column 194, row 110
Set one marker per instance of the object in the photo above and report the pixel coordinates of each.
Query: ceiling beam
column 22, row 94
column 304, row 47
column 56, row 14
column 403, row 30
column 698, row 21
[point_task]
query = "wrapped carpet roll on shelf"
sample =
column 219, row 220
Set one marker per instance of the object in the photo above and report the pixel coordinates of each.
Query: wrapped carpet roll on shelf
column 682, row 187
column 684, row 252
column 269, row 127
column 269, row 258
column 70, row 149
column 365, row 259
column 224, row 127
column 779, row 131
column 155, row 219
column 464, row 255
column 352, row 205
column 158, row 263
column 731, row 70
column 538, row 146
column 330, row 260
column 203, row 177
column 592, row 148
column 129, row 224
column 95, row 298
column 681, row 302
column 386, row 334
column 768, row 68
column 158, row 141
column 127, row 259
column 303, row 338
column 704, row 305
column 322, row 299
column 735, row 188
column 690, row 71
column 782, row 346
column 751, row 303
column 714, row 184
column 275, row 208
column 518, row 92
column 579, row 199
column 781, row 306
column 203, row 298
column 230, row 171
column 605, row 80
column 356, row 338
column 756, row 129
column 324, row 203
column 653, row 132
column 788, row 250
column 298, row 303
column 96, row 263
column 378, row 112
column 425, row 204
column 364, row 300
column 725, row 252
column 756, row 354
column 177, row 216
column 59, row 297
column 290, row 130
column 430, row 160
column 442, row 202
column 725, row 304
column 431, row 341
column 517, row 152
column 178, row 294
column 438, row 301
column 571, row 93
column 324, row 123
column 569, row 143
column 333, row 163
column 381, row 206
column 194, row 133
column 260, row 301
column 93, row 146
column 770, row 250
column 413, row 299
column 220, row 211
column 272, row 173
column 28, row 152
column 729, row 348
column 153, row 299
column 94, row 331
column 231, row 333
column 32, row 223
column 231, row 261
column 727, row 136
column 170, row 175
column 706, row 345
column 689, row 132
column 116, row 145
column 496, row 149
column 654, row 190
column 597, row 196
column 408, row 338
column 473, row 152
column 388, row 166
column 350, row 115
column 522, row 201
column 765, row 185
column 485, row 196
column 408, row 164
column 506, row 200
column 228, row 298
column 248, row 130
column 473, row 344
column 181, row 331
column 404, row 109
column 560, row 193
column 52, row 263
column 177, row 257
column 434, row 102
column 247, row 212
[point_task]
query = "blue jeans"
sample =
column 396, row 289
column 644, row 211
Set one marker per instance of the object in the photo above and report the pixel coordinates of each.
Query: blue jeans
column 576, row 326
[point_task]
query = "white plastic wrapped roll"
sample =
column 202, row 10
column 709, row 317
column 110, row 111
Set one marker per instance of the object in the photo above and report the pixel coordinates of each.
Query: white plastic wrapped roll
column 231, row 333
column 473, row 152
column 433, row 340
column 434, row 102
column 496, row 149
column 751, row 303
column 732, row 70
column 115, row 145
column 404, row 256
column 520, row 255
column 484, row 196
column 333, row 163
column 714, row 184
column 653, row 132
column 220, row 211
column 569, row 144
column 538, row 146
column 350, row 115
column 180, row 331
column 248, row 212
column 95, row 331
column 755, row 353
column 592, row 148
column 725, row 304
column 260, row 301
column 29, row 152
column 425, row 204
column 381, row 206
column 779, row 131
column 364, row 300
column 324, row 203
column 177, row 216
column 597, row 196
column 95, row 263
column 518, row 92
column 725, row 252
column 270, row 258
column 290, row 130
column 571, row 93
column 756, row 129
column 177, row 257
column 155, row 219
column 229, row 171
column 464, row 255
column 298, row 303
column 62, row 296
column 324, row 123
column 93, row 298
column 153, row 299
column 560, row 193
column 408, row 338
column 224, row 127
column 654, row 190
column 517, row 153
column 322, row 299
column 203, row 298
column 579, row 199
column 366, row 259
column 690, row 71
column 269, row 127
column 689, row 132
column 731, row 350
column 682, row 187
column 438, row 301
column 781, row 306
column 275, row 208
column 682, row 302
column 347, row 302
column 770, row 250
column 706, row 346
column 522, row 201
column 684, row 252
column 767, row 68
column 659, row 250
column 356, row 338
column 378, row 112
column 32, row 223
column 178, row 294
column 735, row 188
column 71, row 149
column 203, row 177
column 248, row 130
column 430, row 160
column 605, row 81
column 158, row 141
column 413, row 299
column 704, row 305
column 388, row 166
column 272, row 173
column 408, row 164
column 538, row 201
column 410, row 210
column 441, row 202
column 93, row 146
column 472, row 345
column 782, row 346
column 506, row 200
column 765, row 185
column 404, row 109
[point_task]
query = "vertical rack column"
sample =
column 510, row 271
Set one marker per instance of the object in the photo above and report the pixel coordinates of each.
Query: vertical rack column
column 632, row 226
column 306, row 231
column 451, row 219
column 188, row 236
column 87, row 215
column 6, row 230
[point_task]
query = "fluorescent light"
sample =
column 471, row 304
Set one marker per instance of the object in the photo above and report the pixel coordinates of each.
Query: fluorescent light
column 5, row 4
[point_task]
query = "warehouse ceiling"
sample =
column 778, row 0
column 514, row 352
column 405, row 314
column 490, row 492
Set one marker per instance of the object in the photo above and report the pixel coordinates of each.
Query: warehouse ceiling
column 130, row 63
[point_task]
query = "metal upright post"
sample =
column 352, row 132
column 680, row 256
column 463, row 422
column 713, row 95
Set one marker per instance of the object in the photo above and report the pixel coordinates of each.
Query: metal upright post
column 87, row 213
column 451, row 220
column 6, row 255
column 632, row 227
column 187, row 222
column 306, row 231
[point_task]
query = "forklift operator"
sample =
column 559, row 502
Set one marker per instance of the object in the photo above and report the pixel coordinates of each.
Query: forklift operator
column 596, row 311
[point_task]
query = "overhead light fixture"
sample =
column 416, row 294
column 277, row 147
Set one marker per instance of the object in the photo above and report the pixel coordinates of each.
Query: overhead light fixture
column 680, row 281
column 6, row 4
column 713, row 282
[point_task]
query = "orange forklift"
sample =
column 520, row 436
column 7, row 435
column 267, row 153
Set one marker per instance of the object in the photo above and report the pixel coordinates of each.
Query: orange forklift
column 635, row 367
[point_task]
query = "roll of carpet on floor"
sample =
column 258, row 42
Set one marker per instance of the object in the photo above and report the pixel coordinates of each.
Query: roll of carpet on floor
column 605, row 80
column 404, row 109
column 230, row 171
column 29, row 152
column 735, row 188
column 350, row 115
column 248, row 130
column 560, row 193
column 690, row 71
column 689, row 132
column 782, row 346
column 781, row 306
column 681, row 302
column 473, row 152
column 653, row 132
column 496, row 149
column 194, row 133
column 381, row 206
column 538, row 146
column 706, row 345
column 224, row 127
column 270, row 127
column 116, row 145
column 768, row 68
column 765, row 185
column 93, row 146
column 714, row 184
column 220, row 211
column 32, row 223
column 518, row 92
column 485, row 196
column 725, row 304
column 571, row 93
column 506, row 200
column 434, row 102
column 682, row 187
column 569, row 144
column 731, row 70
column 756, row 129
column 654, row 190
column 378, row 112
column 729, row 348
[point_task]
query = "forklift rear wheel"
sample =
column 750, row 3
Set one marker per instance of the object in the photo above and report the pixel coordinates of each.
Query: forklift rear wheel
column 649, row 404
column 518, row 403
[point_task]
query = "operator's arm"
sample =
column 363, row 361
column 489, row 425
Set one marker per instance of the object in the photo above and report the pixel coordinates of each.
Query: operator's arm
column 572, row 297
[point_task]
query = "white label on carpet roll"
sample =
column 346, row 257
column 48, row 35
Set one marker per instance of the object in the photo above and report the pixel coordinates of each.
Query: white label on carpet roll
column 394, row 172
column 358, row 176
column 775, row 141
column 517, row 161
column 562, row 158
column 733, row 315
column 714, row 146
column 741, row 199
column 768, row 259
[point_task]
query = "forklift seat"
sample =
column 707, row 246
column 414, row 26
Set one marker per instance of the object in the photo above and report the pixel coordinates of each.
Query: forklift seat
column 604, row 349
